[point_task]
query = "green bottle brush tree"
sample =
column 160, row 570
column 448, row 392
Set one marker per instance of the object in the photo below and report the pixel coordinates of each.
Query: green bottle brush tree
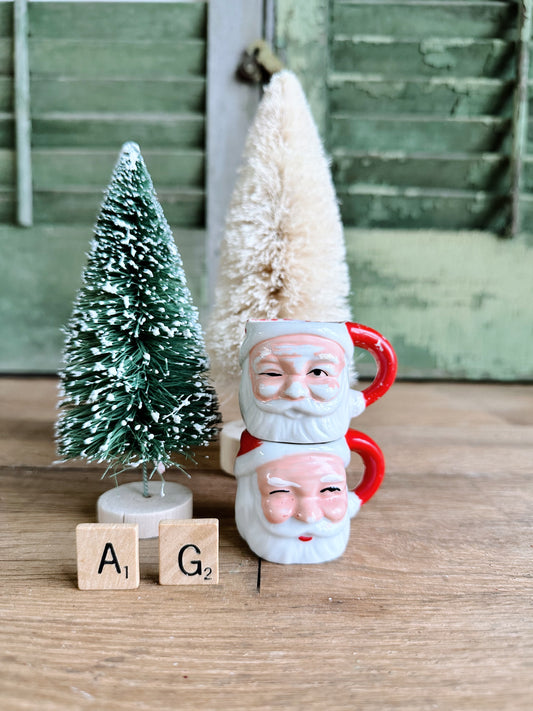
column 134, row 389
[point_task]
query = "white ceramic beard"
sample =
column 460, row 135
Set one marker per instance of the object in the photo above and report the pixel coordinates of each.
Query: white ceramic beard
column 279, row 542
column 304, row 421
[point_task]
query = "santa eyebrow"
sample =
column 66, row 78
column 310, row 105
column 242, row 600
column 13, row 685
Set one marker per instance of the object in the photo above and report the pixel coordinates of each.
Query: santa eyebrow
column 326, row 357
column 275, row 481
column 265, row 361
column 332, row 479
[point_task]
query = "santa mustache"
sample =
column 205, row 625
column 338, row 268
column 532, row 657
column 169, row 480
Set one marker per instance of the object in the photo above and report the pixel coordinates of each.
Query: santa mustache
column 298, row 408
column 292, row 528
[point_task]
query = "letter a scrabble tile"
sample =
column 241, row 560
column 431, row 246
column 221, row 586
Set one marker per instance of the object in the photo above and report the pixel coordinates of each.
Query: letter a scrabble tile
column 188, row 552
column 108, row 556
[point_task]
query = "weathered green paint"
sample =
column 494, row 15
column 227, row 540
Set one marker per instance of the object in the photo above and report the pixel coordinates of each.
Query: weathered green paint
column 438, row 96
column 101, row 74
column 520, row 114
column 419, row 127
column 420, row 86
column 7, row 169
column 182, row 208
column 8, row 173
column 40, row 274
column 111, row 130
column 422, row 134
column 412, row 19
column 6, row 19
column 415, row 208
column 7, row 131
column 8, row 206
column 54, row 169
column 97, row 58
column 119, row 21
column 130, row 95
column 6, row 94
column 428, row 56
column 22, row 115
column 302, row 43
column 487, row 172
column 454, row 305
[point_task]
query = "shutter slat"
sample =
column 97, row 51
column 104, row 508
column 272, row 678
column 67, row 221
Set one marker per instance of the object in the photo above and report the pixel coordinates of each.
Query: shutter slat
column 115, row 95
column 81, row 206
column 6, row 94
column 410, row 209
column 428, row 56
column 414, row 134
column 61, row 169
column 119, row 20
column 423, row 19
column 110, row 130
column 444, row 97
column 7, row 169
column 488, row 172
column 112, row 59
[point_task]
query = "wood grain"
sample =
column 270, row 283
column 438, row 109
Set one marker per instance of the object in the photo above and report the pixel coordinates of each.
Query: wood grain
column 430, row 607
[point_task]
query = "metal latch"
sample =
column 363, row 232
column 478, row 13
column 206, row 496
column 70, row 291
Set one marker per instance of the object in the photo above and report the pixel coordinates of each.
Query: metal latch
column 258, row 63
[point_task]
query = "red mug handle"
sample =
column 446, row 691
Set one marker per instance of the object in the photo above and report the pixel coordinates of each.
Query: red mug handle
column 373, row 460
column 384, row 355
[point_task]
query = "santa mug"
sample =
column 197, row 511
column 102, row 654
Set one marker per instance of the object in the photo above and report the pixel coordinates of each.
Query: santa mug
column 296, row 376
column 293, row 504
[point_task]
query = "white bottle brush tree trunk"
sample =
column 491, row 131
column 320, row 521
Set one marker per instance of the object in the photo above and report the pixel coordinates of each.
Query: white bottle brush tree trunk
column 283, row 253
column 133, row 385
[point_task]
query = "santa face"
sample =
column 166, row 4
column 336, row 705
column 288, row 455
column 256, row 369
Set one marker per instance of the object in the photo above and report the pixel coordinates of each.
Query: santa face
column 295, row 388
column 306, row 487
column 296, row 509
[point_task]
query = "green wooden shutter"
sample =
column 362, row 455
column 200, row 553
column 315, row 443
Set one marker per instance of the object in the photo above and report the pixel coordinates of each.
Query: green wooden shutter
column 415, row 103
column 104, row 73
column 101, row 73
column 421, row 100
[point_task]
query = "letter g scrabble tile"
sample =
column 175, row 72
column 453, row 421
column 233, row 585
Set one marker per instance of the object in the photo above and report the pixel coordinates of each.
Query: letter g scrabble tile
column 188, row 552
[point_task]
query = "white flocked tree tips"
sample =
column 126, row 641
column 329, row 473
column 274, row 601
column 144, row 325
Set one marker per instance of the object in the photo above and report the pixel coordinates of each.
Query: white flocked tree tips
column 283, row 252
column 133, row 385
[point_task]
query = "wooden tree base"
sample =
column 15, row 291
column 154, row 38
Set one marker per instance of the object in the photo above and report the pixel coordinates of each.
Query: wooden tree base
column 126, row 504
column 230, row 439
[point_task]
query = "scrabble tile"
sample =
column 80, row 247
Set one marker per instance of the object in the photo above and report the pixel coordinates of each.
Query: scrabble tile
column 188, row 552
column 108, row 556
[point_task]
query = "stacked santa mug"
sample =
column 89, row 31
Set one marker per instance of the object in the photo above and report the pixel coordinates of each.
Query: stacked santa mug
column 293, row 504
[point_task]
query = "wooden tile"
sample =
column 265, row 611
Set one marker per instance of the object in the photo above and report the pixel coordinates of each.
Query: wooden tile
column 188, row 552
column 108, row 556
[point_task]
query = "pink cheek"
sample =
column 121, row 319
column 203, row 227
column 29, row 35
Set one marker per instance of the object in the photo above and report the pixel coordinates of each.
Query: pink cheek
column 335, row 510
column 268, row 390
column 277, row 512
column 324, row 391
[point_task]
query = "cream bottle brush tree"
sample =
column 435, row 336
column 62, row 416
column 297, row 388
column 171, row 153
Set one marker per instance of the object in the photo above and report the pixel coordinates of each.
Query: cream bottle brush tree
column 133, row 384
column 283, row 252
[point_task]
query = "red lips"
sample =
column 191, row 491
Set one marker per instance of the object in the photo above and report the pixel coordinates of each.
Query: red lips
column 305, row 538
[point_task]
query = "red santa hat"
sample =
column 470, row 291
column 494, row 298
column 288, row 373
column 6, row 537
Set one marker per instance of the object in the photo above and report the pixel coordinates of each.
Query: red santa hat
column 263, row 330
column 254, row 452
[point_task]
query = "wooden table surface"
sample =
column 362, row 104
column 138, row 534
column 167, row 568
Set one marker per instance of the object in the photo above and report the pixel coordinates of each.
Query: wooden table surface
column 429, row 608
